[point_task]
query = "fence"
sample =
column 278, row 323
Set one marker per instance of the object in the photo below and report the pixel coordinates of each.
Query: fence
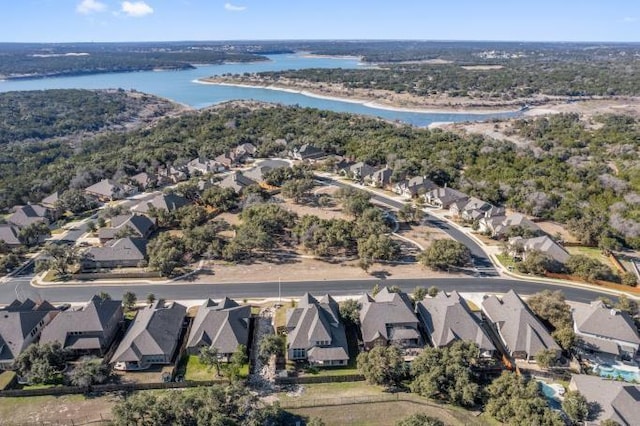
column 365, row 399
column 306, row 380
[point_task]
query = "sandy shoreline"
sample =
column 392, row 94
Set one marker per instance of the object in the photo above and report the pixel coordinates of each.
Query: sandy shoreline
column 366, row 102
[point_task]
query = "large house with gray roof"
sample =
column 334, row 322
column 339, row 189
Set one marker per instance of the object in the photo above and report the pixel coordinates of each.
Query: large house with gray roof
column 521, row 247
column 521, row 333
column 20, row 325
column 10, row 234
column 315, row 332
column 600, row 329
column 307, row 152
column 89, row 330
column 417, row 185
column 152, row 338
column 29, row 214
column 447, row 318
column 129, row 225
column 443, row 198
column 388, row 319
column 608, row 399
column 109, row 190
column 499, row 226
column 236, row 181
column 223, row 326
column 122, row 253
column 166, row 202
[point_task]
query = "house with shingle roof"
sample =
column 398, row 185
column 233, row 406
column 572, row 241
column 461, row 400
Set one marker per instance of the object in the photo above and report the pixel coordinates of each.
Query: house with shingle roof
column 315, row 332
column 144, row 180
column 132, row 225
column 380, row 178
column 519, row 330
column 236, row 181
column 307, row 152
column 222, row 326
column 89, row 330
column 443, row 198
column 123, row 253
column 359, row 171
column 20, row 325
column 168, row 202
column 499, row 226
column 389, row 319
column 448, row 318
column 152, row 337
column 257, row 173
column 600, row 329
column 608, row 399
column 109, row 190
column 29, row 214
column 10, row 234
column 203, row 166
column 520, row 247
column 51, row 200
column 471, row 209
column 415, row 186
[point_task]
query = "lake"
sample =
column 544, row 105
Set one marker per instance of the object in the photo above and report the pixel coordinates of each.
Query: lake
column 180, row 86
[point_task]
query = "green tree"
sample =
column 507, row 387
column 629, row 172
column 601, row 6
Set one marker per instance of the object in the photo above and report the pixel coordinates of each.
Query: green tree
column 587, row 268
column 551, row 306
column 91, row 226
column 236, row 362
column 382, row 365
column 420, row 419
column 208, row 356
column 378, row 247
column 446, row 374
column 129, row 300
column 75, row 201
column 536, row 263
column 104, row 295
column 565, row 337
column 626, row 304
column 575, row 407
column 166, row 254
column 546, row 358
column 271, row 344
column 223, row 199
column 151, row 298
column 410, row 214
column 433, row 291
column 42, row 364
column 419, row 293
column 629, row 278
column 297, row 189
column 350, row 311
column 354, row 201
column 60, row 257
column 31, row 235
column 89, row 371
column 443, row 254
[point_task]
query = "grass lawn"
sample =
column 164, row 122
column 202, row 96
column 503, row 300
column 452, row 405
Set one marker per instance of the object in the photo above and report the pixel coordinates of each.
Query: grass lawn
column 50, row 276
column 194, row 370
column 592, row 252
column 6, row 378
column 507, row 261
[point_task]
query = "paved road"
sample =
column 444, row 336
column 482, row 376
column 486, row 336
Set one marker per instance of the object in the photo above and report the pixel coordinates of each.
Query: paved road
column 480, row 259
column 20, row 286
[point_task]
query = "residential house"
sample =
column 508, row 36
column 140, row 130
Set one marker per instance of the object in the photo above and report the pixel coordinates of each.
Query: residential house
column 521, row 247
column 245, row 151
column 380, row 178
column 51, row 201
column 315, row 332
column 448, row 318
column 20, row 325
column 166, row 202
column 222, row 326
column 109, row 190
column 388, row 319
column 307, row 152
column 443, row 198
column 24, row 216
column 236, row 181
column 152, row 338
column 90, row 330
column 169, row 175
column 123, row 253
column 499, row 226
column 203, row 166
column 10, row 234
column 600, row 329
column 470, row 209
column 240, row 154
column 359, row 171
column 257, row 173
column 520, row 331
column 128, row 225
column 413, row 187
column 608, row 399
column 144, row 180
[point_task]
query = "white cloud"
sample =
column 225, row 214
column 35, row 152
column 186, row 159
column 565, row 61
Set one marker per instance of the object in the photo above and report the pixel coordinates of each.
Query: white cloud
column 629, row 19
column 234, row 8
column 136, row 8
column 87, row 7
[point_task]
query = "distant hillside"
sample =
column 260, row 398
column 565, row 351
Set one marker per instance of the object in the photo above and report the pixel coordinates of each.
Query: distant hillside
column 68, row 114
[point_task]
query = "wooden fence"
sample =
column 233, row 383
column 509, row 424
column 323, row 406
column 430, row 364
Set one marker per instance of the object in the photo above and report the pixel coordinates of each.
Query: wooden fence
column 306, row 380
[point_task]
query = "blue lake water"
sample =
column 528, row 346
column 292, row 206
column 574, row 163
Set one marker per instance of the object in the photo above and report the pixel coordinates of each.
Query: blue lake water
column 180, row 86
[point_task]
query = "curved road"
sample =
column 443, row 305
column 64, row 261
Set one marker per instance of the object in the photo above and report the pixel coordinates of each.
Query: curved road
column 20, row 286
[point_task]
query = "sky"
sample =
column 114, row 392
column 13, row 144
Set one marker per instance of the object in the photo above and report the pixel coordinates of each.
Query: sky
column 167, row 20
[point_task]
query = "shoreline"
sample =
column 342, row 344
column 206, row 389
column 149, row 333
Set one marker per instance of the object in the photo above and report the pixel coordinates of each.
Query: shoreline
column 365, row 102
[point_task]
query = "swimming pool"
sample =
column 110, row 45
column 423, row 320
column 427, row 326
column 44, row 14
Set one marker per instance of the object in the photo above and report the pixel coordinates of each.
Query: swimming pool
column 552, row 394
column 628, row 374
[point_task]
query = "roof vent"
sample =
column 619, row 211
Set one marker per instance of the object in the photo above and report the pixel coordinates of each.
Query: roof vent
column 613, row 312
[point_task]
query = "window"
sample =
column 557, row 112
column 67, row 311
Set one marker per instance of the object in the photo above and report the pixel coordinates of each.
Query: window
column 299, row 353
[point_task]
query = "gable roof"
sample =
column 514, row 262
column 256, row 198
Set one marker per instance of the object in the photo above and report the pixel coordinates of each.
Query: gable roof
column 257, row 173
column 446, row 195
column 236, row 181
column 520, row 330
column 144, row 179
column 380, row 313
column 154, row 331
column 168, row 202
column 617, row 401
column 28, row 214
column 92, row 318
column 107, row 188
column 448, row 318
column 17, row 320
column 10, row 234
column 543, row 244
column 598, row 320
column 123, row 249
column 383, row 175
column 315, row 321
column 140, row 224
column 308, row 151
column 223, row 325
column 50, row 200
